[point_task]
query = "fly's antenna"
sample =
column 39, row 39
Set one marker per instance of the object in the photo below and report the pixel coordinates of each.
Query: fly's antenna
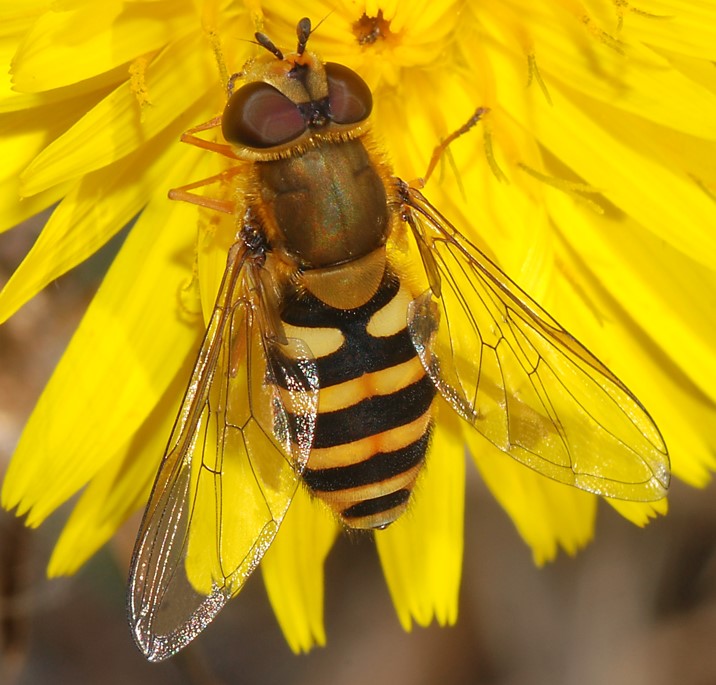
column 265, row 42
column 303, row 31
column 315, row 28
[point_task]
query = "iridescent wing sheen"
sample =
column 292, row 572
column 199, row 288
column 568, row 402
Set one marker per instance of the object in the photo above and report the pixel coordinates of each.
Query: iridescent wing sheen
column 232, row 466
column 509, row 369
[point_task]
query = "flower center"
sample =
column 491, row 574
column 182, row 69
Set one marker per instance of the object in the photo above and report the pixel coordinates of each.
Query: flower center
column 369, row 30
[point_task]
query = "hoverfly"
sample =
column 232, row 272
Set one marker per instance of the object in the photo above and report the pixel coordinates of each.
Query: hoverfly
column 323, row 360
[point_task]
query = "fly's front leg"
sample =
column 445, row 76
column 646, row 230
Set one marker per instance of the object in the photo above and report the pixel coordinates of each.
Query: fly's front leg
column 190, row 138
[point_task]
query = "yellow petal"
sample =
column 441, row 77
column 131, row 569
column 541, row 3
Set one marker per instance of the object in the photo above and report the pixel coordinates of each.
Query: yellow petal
column 547, row 514
column 80, row 225
column 95, row 88
column 293, row 571
column 120, row 488
column 677, row 410
column 12, row 30
column 14, row 23
column 421, row 553
column 54, row 52
column 123, row 356
column 640, row 513
column 14, row 214
column 641, row 186
column 698, row 70
column 660, row 289
column 684, row 26
column 24, row 134
column 638, row 81
column 661, row 379
column 116, row 127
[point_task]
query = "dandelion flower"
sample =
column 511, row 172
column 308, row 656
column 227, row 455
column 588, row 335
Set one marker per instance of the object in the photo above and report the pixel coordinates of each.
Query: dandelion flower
column 591, row 183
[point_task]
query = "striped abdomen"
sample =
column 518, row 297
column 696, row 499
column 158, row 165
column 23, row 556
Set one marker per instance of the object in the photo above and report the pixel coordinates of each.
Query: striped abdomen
column 374, row 407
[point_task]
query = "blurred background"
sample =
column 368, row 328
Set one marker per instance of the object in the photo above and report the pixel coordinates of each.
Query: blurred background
column 637, row 606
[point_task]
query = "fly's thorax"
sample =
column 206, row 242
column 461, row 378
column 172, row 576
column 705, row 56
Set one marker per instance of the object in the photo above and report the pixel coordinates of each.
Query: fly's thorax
column 326, row 205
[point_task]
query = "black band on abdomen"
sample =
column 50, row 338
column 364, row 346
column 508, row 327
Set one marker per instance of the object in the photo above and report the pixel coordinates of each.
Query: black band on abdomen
column 373, row 415
column 377, row 468
column 376, row 505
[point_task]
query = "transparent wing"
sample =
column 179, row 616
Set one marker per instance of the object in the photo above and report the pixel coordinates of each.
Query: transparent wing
column 232, row 466
column 519, row 378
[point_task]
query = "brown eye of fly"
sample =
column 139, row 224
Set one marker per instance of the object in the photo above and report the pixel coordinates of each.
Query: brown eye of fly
column 348, row 94
column 259, row 116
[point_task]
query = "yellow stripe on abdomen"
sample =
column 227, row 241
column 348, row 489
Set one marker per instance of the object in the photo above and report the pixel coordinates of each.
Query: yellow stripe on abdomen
column 374, row 406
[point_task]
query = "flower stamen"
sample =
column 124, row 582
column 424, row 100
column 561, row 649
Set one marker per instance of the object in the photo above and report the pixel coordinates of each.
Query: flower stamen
column 623, row 7
column 533, row 74
column 575, row 190
column 707, row 188
column 490, row 156
column 138, row 83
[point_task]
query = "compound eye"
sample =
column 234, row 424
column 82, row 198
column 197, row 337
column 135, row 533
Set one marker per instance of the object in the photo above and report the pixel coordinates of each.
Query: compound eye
column 349, row 97
column 259, row 116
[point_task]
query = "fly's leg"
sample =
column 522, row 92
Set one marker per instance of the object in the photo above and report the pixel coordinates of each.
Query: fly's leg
column 440, row 149
column 190, row 138
column 226, row 206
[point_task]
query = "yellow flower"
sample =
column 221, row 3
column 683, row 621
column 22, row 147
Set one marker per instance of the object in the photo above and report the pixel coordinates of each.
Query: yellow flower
column 591, row 183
